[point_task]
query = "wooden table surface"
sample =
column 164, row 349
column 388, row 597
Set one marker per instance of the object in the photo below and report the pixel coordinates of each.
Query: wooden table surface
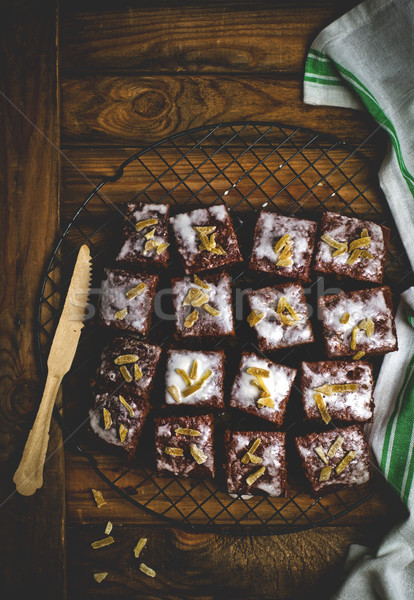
column 83, row 85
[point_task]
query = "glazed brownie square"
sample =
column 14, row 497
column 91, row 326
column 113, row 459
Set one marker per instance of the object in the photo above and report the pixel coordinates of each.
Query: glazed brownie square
column 195, row 378
column 213, row 245
column 262, row 470
column 358, row 323
column 144, row 236
column 283, row 246
column 335, row 459
column 345, row 389
column 346, row 250
column 126, row 300
column 118, row 419
column 184, row 446
column 262, row 387
column 274, row 307
column 203, row 307
column 128, row 364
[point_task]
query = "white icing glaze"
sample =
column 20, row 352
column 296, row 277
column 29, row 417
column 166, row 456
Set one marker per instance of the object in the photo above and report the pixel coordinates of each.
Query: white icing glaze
column 355, row 473
column 373, row 306
column 183, row 359
column 273, row 458
column 219, row 298
column 347, row 230
column 134, row 244
column 357, row 403
column 111, row 435
column 245, row 395
column 219, row 211
column 270, row 327
column 271, row 227
column 113, row 299
column 202, row 441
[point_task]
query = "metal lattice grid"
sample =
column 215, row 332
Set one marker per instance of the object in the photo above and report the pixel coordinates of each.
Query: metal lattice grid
column 246, row 166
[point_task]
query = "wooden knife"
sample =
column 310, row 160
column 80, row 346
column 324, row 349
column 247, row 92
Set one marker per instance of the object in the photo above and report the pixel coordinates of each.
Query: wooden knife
column 29, row 475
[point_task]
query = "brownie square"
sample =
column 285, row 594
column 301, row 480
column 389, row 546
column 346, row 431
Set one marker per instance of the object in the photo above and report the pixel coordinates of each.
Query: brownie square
column 144, row 236
column 184, row 465
column 275, row 329
column 247, row 390
column 269, row 464
column 128, row 364
column 351, row 402
column 345, row 316
column 201, row 311
column 345, row 256
column 283, row 246
column 124, row 305
column 216, row 246
column 125, row 414
column 201, row 372
column 321, row 460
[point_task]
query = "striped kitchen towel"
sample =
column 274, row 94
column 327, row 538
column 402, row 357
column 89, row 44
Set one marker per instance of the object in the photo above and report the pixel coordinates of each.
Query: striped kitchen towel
column 365, row 60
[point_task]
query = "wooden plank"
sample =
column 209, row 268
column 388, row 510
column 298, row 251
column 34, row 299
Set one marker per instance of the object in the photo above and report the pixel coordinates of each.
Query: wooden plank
column 80, row 479
column 206, row 567
column 256, row 177
column 32, row 530
column 175, row 37
column 136, row 111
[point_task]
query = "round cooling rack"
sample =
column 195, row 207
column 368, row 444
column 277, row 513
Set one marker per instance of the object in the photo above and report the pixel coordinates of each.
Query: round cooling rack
column 246, row 166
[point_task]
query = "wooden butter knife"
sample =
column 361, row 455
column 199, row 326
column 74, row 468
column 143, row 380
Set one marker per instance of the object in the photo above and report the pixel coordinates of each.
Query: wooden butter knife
column 29, row 475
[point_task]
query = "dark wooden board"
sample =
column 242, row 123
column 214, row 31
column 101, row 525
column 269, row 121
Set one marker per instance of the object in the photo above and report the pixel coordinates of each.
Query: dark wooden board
column 136, row 110
column 174, row 37
column 208, row 567
column 32, row 529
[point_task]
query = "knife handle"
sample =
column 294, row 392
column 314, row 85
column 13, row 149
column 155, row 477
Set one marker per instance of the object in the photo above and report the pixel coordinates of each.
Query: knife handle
column 29, row 475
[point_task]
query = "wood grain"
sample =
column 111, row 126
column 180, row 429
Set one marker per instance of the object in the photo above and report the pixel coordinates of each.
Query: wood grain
column 32, row 531
column 136, row 111
column 80, row 479
column 208, row 567
column 176, row 37
column 83, row 170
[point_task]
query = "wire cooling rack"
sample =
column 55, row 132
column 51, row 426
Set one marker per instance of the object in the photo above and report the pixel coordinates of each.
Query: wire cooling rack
column 247, row 166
